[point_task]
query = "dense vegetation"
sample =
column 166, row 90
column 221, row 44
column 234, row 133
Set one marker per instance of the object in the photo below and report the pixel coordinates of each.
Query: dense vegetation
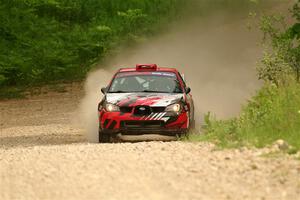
column 274, row 112
column 48, row 40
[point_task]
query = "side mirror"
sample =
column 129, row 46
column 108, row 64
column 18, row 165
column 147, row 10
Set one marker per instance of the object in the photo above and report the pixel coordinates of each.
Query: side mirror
column 187, row 90
column 104, row 90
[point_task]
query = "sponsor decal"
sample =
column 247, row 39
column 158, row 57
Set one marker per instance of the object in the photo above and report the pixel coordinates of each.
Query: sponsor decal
column 124, row 74
column 151, row 99
column 164, row 74
column 157, row 116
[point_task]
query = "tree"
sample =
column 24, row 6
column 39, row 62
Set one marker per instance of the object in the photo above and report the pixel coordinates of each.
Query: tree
column 283, row 60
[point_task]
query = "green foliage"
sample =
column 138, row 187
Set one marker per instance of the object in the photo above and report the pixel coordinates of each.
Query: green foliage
column 274, row 112
column 283, row 60
column 222, row 133
column 47, row 40
column 11, row 93
column 296, row 11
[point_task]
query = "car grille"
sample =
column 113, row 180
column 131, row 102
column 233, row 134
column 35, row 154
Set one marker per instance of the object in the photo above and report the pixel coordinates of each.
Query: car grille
column 158, row 109
column 147, row 110
column 142, row 110
column 142, row 125
column 125, row 109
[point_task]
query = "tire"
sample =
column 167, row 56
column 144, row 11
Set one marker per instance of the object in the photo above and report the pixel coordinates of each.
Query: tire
column 104, row 137
column 192, row 124
column 191, row 128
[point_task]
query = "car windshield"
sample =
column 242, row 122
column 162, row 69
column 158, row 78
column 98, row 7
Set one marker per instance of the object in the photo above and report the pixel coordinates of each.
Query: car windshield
column 162, row 82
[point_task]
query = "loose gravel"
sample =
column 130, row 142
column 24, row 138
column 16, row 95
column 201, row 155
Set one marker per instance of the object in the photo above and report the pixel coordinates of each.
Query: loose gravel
column 44, row 155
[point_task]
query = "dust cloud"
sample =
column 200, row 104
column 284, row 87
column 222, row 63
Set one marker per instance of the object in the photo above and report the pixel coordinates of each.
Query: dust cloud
column 88, row 106
column 217, row 54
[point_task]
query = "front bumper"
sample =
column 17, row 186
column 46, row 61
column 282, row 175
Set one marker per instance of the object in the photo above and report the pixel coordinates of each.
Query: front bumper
column 168, row 124
column 146, row 137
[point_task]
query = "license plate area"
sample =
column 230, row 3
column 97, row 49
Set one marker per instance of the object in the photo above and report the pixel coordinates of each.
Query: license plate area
column 142, row 124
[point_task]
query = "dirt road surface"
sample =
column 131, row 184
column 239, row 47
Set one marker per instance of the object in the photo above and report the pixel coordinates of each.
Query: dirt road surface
column 44, row 155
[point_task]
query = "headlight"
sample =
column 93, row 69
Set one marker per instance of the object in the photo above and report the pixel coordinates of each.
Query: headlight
column 112, row 108
column 173, row 108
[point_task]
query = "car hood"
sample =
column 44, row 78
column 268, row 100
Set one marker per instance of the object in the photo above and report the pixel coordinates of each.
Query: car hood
column 148, row 99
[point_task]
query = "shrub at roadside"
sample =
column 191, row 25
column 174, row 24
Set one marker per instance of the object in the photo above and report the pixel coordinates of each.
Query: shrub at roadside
column 47, row 40
column 274, row 113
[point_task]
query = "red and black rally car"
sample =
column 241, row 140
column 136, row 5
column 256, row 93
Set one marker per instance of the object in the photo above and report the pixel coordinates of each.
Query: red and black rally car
column 146, row 100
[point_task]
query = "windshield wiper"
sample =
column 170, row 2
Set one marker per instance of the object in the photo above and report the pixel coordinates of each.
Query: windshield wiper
column 118, row 91
column 154, row 91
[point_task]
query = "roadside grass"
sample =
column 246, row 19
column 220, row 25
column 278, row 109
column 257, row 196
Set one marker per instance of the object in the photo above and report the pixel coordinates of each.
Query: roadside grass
column 12, row 93
column 272, row 114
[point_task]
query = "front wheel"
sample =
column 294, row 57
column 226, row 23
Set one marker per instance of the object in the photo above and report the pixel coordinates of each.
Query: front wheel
column 104, row 137
column 192, row 124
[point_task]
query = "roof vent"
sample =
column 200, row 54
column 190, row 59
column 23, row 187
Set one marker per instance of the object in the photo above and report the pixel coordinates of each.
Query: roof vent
column 151, row 67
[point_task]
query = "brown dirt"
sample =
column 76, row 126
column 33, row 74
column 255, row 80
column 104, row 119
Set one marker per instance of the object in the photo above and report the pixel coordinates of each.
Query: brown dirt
column 44, row 155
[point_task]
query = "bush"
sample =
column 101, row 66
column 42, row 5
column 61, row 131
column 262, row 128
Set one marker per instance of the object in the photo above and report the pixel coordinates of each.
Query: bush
column 274, row 113
column 283, row 59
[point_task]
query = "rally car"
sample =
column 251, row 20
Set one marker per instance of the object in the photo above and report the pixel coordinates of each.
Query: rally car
column 145, row 101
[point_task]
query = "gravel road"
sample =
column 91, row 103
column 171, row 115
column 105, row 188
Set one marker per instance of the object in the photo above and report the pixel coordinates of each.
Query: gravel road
column 43, row 155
